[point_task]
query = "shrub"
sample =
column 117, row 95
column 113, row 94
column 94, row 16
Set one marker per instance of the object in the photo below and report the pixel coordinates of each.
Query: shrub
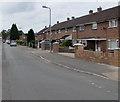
column 66, row 43
column 20, row 41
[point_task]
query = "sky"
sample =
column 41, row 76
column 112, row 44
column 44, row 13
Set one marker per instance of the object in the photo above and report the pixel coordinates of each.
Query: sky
column 29, row 14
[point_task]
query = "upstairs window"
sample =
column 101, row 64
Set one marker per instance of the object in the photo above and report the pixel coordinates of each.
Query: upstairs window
column 59, row 31
column 66, row 30
column 74, row 29
column 82, row 28
column 94, row 26
column 112, row 23
column 55, row 32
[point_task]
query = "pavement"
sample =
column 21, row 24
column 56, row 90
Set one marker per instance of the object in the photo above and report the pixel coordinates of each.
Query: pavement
column 68, row 61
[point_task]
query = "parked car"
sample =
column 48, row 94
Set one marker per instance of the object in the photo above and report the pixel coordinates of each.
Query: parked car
column 8, row 41
column 3, row 41
column 13, row 43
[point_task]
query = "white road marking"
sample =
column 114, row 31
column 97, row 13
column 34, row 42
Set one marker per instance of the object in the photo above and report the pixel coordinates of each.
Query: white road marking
column 81, row 71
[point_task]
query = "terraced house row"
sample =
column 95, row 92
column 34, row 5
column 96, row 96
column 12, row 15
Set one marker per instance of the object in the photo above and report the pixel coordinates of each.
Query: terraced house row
column 98, row 31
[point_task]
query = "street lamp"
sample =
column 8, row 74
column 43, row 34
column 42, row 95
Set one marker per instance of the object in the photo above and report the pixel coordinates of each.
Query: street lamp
column 49, row 25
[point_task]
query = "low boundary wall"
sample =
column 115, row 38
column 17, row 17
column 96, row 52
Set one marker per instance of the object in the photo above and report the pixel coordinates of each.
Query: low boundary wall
column 100, row 57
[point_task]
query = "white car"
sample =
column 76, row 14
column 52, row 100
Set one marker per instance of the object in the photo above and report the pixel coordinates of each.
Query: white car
column 13, row 43
column 8, row 41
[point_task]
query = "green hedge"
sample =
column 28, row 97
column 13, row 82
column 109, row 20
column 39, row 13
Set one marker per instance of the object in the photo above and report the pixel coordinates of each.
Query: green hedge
column 21, row 41
column 66, row 43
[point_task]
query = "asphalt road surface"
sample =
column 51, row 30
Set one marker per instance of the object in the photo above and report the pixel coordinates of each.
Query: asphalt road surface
column 27, row 77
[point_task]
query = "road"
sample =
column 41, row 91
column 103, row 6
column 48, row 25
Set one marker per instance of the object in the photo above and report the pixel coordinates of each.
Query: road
column 0, row 70
column 27, row 77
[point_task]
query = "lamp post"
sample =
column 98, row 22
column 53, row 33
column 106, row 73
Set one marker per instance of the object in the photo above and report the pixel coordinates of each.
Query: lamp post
column 49, row 25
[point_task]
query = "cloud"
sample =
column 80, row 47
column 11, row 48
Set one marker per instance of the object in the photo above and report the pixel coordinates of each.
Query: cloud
column 31, row 14
column 17, row 7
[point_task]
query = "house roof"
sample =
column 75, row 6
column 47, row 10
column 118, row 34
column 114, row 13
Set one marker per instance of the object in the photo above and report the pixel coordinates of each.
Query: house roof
column 42, row 31
column 98, row 17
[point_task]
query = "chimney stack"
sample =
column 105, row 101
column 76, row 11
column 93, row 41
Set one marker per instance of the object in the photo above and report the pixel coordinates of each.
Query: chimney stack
column 91, row 12
column 73, row 17
column 57, row 22
column 68, row 19
column 99, row 9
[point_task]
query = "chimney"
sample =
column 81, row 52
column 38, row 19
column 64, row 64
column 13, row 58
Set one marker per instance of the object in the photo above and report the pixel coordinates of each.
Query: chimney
column 91, row 12
column 99, row 9
column 57, row 22
column 73, row 17
column 68, row 19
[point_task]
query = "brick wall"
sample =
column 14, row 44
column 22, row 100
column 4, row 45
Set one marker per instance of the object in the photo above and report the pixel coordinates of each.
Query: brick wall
column 100, row 57
column 42, row 46
column 55, row 47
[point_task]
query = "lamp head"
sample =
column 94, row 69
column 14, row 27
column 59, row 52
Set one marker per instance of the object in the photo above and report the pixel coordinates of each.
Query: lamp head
column 44, row 7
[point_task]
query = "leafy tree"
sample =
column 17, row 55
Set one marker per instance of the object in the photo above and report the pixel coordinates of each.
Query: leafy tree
column 5, row 34
column 30, row 36
column 14, row 34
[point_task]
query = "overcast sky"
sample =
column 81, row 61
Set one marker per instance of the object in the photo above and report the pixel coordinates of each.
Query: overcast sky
column 29, row 14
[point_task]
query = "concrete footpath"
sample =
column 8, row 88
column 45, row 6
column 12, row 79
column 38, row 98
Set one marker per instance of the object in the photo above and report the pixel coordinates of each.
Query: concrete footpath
column 68, row 61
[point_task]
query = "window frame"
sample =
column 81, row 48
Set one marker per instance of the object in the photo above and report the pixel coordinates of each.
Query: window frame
column 110, row 43
column 82, row 27
column 59, row 31
column 74, row 29
column 66, row 30
column 94, row 26
column 115, row 23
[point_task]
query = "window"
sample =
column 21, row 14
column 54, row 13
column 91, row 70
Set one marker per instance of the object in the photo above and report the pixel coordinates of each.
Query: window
column 112, row 23
column 74, row 29
column 94, row 26
column 112, row 44
column 59, row 31
column 82, row 27
column 66, row 30
column 55, row 32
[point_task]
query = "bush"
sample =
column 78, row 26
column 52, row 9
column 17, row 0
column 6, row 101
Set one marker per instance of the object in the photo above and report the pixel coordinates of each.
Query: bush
column 21, row 41
column 66, row 43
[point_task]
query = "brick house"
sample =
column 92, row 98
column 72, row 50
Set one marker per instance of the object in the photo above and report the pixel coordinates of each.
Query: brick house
column 98, row 31
column 23, row 37
column 41, row 34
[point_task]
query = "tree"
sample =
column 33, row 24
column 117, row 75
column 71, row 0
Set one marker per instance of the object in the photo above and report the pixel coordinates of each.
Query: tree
column 14, row 34
column 30, row 36
column 5, row 34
